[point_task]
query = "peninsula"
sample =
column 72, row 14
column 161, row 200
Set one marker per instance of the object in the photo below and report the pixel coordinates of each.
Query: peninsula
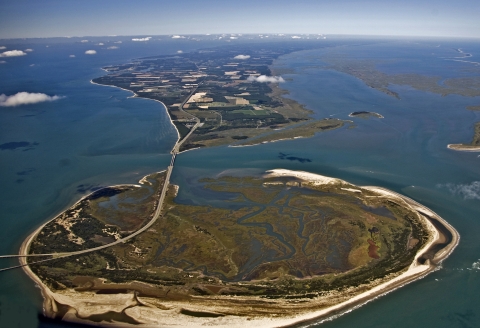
column 229, row 91
column 474, row 146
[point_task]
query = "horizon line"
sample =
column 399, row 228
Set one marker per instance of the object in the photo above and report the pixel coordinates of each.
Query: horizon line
column 249, row 34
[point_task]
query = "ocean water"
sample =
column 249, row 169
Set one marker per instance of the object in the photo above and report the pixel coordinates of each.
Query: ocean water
column 97, row 136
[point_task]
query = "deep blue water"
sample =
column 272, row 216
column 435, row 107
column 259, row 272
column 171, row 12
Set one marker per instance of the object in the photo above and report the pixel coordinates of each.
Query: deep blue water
column 97, row 136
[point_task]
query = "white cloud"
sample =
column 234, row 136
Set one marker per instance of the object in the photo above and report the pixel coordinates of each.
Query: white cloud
column 467, row 191
column 90, row 52
column 142, row 39
column 296, row 37
column 84, row 41
column 241, row 57
column 2, row 62
column 72, row 56
column 2, row 47
column 118, row 42
column 101, row 44
column 24, row 98
column 178, row 37
column 28, row 50
column 112, row 47
column 264, row 78
column 12, row 53
column 179, row 51
column 233, row 37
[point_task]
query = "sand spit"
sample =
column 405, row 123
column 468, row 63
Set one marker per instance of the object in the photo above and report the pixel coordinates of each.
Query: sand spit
column 150, row 312
column 315, row 179
column 265, row 142
column 461, row 147
column 351, row 189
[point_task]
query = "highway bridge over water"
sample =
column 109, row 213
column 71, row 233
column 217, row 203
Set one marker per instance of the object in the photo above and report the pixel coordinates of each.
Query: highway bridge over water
column 23, row 254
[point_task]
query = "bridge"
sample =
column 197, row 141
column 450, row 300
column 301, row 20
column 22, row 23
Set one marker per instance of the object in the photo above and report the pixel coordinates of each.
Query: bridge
column 23, row 254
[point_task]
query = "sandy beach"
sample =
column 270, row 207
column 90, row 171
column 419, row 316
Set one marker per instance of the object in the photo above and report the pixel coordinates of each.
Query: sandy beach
column 265, row 142
column 461, row 147
column 169, row 313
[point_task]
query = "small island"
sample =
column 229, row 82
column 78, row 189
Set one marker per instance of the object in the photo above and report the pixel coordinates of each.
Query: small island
column 473, row 107
column 271, row 250
column 474, row 146
column 365, row 115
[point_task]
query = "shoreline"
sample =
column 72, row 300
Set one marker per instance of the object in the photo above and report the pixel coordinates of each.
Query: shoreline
column 462, row 147
column 49, row 304
column 266, row 142
column 277, row 93
column 359, row 115
column 139, row 97
column 414, row 272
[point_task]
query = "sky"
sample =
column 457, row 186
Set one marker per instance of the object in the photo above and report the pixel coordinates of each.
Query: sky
column 56, row 18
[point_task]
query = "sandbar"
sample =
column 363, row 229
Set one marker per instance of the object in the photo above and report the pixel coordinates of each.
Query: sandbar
column 462, row 147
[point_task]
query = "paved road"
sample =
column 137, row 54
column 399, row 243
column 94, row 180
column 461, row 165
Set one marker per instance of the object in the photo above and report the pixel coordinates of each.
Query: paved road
column 157, row 214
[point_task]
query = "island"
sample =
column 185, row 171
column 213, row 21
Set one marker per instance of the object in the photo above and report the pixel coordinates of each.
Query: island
column 270, row 250
column 474, row 146
column 365, row 115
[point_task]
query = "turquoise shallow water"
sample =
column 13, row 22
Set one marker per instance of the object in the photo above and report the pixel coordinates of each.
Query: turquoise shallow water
column 96, row 136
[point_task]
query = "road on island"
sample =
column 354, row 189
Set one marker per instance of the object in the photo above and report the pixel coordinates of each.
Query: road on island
column 158, row 211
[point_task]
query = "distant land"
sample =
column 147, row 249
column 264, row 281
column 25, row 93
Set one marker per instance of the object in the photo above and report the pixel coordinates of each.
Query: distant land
column 366, row 70
column 473, row 107
column 230, row 91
